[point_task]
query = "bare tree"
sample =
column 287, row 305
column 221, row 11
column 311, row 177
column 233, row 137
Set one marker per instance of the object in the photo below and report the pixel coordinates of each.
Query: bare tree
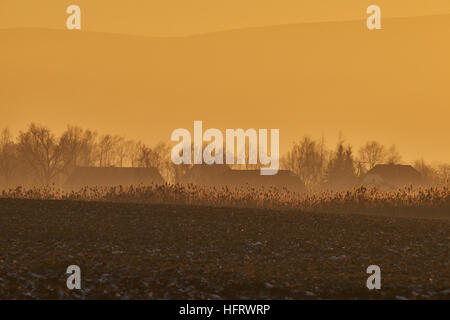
column 119, row 151
column 77, row 148
column 372, row 153
column 165, row 165
column 107, row 147
column 341, row 171
column 159, row 158
column 307, row 159
column 8, row 156
column 88, row 155
column 426, row 170
column 134, row 151
column 71, row 142
column 443, row 174
column 392, row 155
column 125, row 152
column 147, row 158
column 41, row 151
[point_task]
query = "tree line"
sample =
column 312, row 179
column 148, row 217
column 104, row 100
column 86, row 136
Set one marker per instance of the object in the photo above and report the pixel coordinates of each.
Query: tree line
column 38, row 157
column 342, row 168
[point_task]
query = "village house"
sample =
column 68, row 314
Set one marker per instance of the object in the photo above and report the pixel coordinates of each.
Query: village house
column 391, row 176
column 222, row 175
column 112, row 176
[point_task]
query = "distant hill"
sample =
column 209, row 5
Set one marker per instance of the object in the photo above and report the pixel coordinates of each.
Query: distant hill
column 318, row 78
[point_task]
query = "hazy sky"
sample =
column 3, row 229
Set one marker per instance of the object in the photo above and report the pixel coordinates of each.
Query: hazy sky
column 181, row 17
column 318, row 79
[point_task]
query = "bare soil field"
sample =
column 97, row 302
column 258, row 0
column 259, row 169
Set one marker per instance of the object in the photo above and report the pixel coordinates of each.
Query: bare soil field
column 148, row 251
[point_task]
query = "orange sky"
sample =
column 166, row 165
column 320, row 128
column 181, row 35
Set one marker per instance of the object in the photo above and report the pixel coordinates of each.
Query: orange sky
column 389, row 85
column 181, row 17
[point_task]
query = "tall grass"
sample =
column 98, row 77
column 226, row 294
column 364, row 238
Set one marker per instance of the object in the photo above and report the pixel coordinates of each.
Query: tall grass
column 429, row 201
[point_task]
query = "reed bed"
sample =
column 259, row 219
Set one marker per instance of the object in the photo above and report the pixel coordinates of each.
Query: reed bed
column 430, row 201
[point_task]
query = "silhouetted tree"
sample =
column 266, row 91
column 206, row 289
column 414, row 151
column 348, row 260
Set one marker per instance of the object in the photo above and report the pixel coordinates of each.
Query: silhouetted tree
column 372, row 153
column 8, row 156
column 427, row 171
column 307, row 159
column 147, row 157
column 341, row 171
column 107, row 150
column 77, row 148
column 392, row 155
column 41, row 151
column 158, row 157
column 120, row 151
column 443, row 174
column 88, row 155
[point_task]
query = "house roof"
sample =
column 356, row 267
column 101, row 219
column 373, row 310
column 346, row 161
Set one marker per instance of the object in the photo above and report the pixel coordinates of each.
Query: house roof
column 397, row 174
column 112, row 176
column 222, row 175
